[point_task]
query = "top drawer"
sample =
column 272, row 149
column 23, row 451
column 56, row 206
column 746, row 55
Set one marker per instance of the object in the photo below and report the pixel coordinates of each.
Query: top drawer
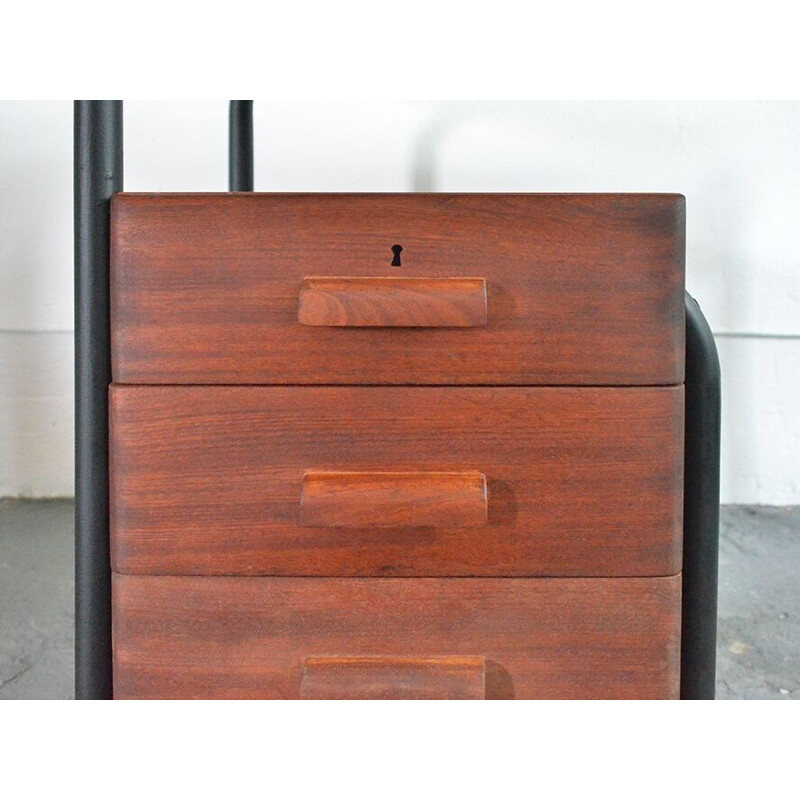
column 550, row 289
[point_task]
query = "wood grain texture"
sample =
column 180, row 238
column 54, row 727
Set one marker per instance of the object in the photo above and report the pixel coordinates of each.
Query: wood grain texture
column 583, row 289
column 375, row 678
column 580, row 481
column 393, row 302
column 393, row 499
column 177, row 637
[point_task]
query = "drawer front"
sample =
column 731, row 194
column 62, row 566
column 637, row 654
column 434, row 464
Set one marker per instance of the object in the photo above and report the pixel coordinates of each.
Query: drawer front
column 346, row 481
column 490, row 289
column 183, row 637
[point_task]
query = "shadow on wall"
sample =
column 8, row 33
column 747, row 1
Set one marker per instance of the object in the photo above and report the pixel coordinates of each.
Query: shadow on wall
column 740, row 430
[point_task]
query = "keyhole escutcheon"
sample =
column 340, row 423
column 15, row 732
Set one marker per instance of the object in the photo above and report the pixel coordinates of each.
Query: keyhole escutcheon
column 396, row 249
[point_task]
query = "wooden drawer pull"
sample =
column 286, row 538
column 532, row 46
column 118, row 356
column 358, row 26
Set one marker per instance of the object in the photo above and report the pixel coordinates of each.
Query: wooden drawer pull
column 378, row 678
column 393, row 302
column 394, row 499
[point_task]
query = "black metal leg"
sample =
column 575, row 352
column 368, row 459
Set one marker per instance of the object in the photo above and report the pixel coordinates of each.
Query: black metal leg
column 98, row 174
column 701, row 508
column 240, row 146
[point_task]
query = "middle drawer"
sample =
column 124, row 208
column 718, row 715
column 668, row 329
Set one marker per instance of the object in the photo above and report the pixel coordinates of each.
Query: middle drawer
column 364, row 481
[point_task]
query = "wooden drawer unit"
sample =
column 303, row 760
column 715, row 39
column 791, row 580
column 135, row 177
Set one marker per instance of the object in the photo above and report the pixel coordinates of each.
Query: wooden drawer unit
column 397, row 445
column 396, row 481
column 492, row 289
column 519, row 638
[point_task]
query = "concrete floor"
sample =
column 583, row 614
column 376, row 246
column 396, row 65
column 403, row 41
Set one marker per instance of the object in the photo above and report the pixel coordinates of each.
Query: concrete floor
column 759, row 613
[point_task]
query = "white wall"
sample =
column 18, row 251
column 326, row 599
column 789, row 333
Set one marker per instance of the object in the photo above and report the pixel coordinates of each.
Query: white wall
column 737, row 163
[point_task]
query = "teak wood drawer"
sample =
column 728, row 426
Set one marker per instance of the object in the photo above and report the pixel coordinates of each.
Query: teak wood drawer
column 527, row 638
column 397, row 445
column 577, row 289
column 396, row 481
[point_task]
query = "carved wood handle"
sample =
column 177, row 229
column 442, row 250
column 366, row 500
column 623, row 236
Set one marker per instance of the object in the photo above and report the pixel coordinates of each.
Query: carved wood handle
column 393, row 302
column 394, row 499
column 379, row 678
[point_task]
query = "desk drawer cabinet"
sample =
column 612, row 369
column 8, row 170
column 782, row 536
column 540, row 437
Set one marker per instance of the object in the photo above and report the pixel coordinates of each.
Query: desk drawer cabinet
column 397, row 445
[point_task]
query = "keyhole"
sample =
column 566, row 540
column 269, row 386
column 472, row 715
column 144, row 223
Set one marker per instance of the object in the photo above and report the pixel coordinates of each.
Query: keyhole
column 396, row 249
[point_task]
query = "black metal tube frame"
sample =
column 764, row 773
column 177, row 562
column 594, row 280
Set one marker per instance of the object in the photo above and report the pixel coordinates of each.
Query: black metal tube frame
column 98, row 175
column 240, row 146
column 701, row 467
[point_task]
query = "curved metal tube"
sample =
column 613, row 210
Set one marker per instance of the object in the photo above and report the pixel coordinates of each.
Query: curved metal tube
column 700, row 508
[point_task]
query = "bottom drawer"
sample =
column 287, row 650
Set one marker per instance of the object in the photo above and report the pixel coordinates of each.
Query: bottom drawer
column 499, row 638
